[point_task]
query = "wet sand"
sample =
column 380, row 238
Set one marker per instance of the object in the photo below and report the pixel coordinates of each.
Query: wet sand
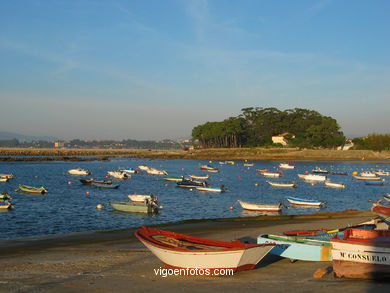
column 115, row 261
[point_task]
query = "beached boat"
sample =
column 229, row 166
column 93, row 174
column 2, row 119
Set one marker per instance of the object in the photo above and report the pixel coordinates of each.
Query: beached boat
column 209, row 168
column 334, row 184
column 201, row 177
column 207, row 256
column 286, row 166
column 79, row 172
column 142, row 198
column 118, row 175
column 271, row 174
column 173, row 178
column 188, row 183
column 297, row 248
column 312, row 177
column 31, row 189
column 149, row 205
column 281, row 184
column 5, row 196
column 304, row 202
column 211, row 189
column 381, row 209
column 154, row 171
column 308, row 245
column 260, row 207
column 362, row 253
column 374, row 182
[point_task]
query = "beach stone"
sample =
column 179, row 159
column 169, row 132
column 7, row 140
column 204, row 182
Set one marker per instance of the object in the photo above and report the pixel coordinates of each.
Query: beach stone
column 321, row 273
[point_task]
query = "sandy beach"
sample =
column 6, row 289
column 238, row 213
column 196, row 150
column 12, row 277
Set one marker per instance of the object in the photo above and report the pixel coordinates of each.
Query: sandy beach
column 115, row 261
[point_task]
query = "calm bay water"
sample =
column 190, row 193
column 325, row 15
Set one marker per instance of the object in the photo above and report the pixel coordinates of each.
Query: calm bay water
column 68, row 209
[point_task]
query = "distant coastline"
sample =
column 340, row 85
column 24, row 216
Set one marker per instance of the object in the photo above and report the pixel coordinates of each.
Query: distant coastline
column 250, row 154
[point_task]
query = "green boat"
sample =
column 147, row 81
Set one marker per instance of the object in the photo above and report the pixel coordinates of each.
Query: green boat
column 31, row 189
column 135, row 207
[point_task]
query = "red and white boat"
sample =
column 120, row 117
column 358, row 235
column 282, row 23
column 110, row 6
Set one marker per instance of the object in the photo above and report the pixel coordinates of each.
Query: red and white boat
column 260, row 207
column 362, row 253
column 209, row 168
column 184, row 251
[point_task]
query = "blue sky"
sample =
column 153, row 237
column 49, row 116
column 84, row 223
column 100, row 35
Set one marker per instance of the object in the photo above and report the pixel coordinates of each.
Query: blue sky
column 153, row 69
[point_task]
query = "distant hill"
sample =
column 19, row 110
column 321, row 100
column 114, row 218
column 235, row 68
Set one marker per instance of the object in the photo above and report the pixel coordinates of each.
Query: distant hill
column 24, row 138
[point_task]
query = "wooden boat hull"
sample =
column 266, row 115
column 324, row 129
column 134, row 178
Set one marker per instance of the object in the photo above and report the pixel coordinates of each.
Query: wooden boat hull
column 133, row 207
column 220, row 255
column 289, row 247
column 209, row 169
column 362, row 254
column 260, row 207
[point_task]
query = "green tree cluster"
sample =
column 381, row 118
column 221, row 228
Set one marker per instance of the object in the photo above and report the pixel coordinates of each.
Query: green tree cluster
column 256, row 126
column 376, row 142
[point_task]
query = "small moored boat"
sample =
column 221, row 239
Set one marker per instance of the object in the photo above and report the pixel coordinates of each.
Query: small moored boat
column 281, row 184
column 201, row 177
column 31, row 189
column 304, row 202
column 211, row 189
column 286, row 166
column 6, row 205
column 318, row 170
column 209, row 168
column 173, row 178
column 183, row 251
column 5, row 196
column 260, row 207
column 271, row 174
column 188, row 183
column 142, row 198
column 312, row 177
column 79, row 172
column 149, row 205
column 118, row 175
column 154, row 171
column 334, row 184
column 374, row 182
